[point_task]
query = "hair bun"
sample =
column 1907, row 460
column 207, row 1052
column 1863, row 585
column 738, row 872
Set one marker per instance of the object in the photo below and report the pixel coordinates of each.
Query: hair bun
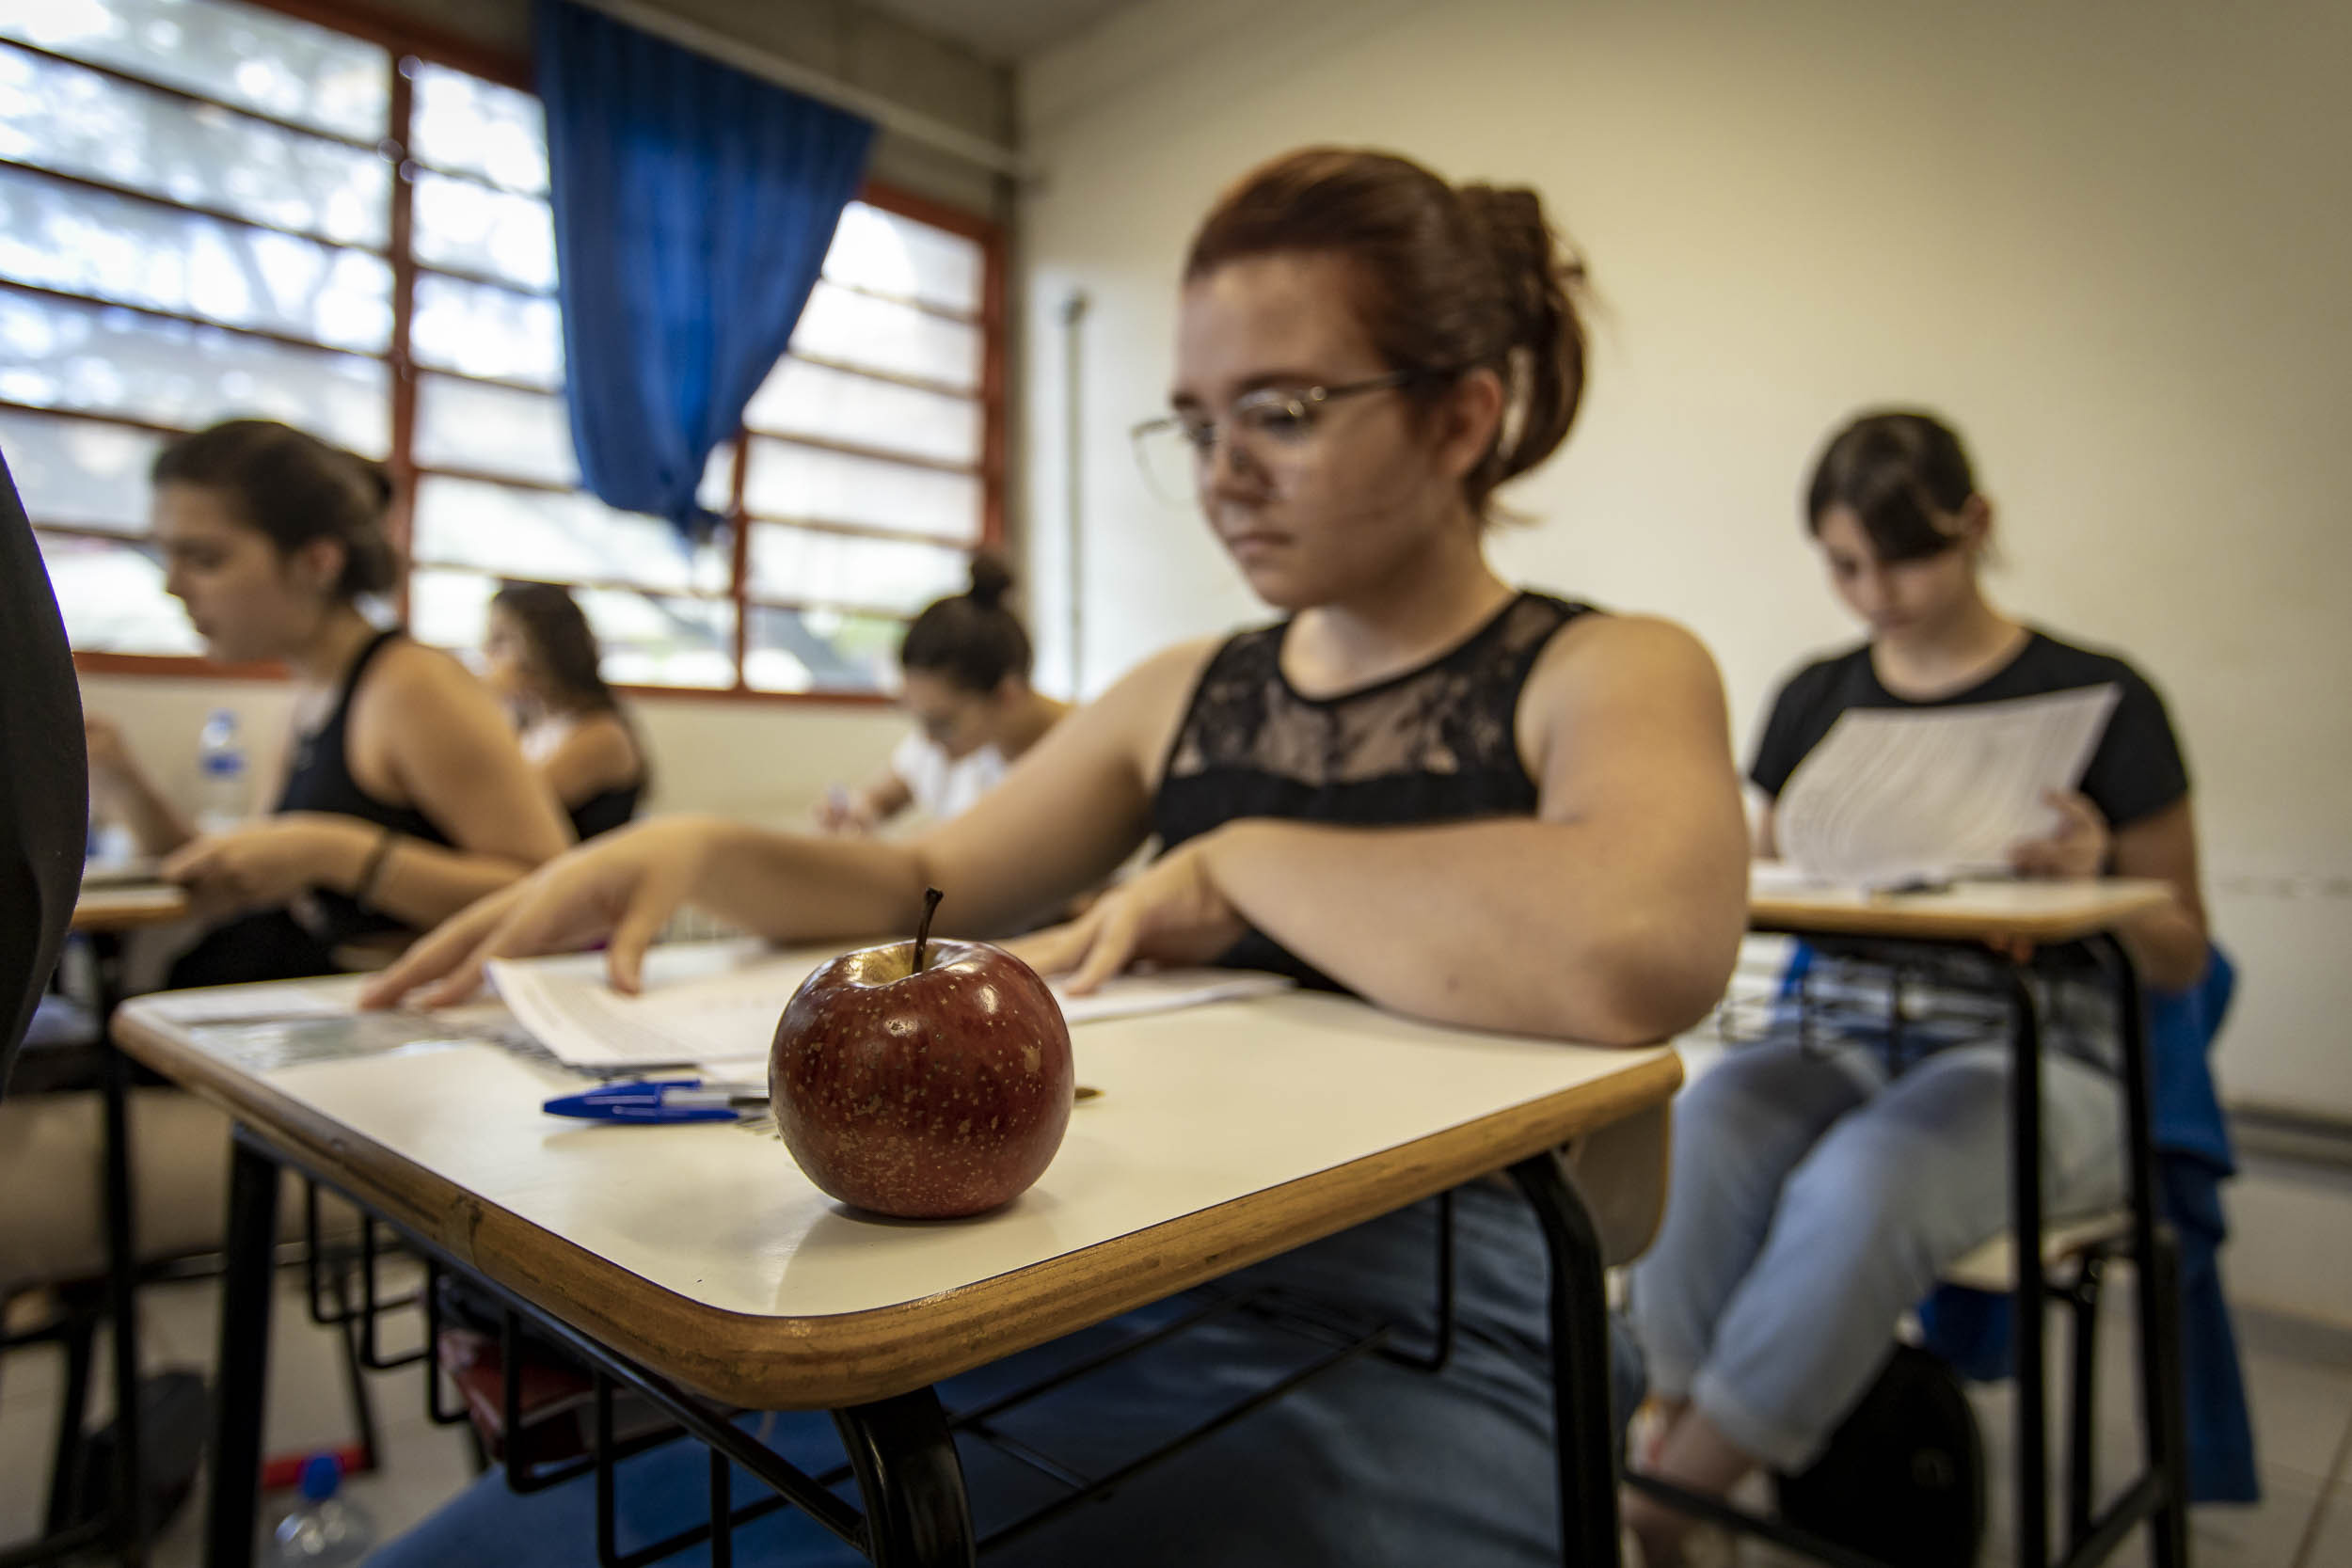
column 992, row 579
column 377, row 479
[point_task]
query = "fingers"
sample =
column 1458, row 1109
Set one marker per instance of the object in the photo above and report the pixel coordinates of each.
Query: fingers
column 190, row 863
column 527, row 926
column 655, row 899
column 1056, row 949
column 439, row 953
column 1118, row 930
column 2076, row 808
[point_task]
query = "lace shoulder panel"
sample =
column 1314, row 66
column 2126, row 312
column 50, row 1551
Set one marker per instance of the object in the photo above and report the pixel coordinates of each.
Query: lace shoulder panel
column 1454, row 715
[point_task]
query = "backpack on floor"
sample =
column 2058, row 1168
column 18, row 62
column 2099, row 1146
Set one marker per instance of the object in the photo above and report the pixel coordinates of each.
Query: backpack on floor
column 1904, row 1478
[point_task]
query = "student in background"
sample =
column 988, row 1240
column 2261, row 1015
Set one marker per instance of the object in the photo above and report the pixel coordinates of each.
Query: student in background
column 1816, row 1193
column 965, row 665
column 404, row 797
column 541, row 658
column 1459, row 799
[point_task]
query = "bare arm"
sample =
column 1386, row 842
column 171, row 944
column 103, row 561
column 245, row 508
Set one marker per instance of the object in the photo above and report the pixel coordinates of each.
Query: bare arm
column 1074, row 806
column 1613, row 915
column 595, row 755
column 124, row 791
column 451, row 754
column 2168, row 945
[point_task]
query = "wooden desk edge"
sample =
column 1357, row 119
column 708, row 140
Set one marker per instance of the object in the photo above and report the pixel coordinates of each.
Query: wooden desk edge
column 124, row 915
column 1893, row 918
column 758, row 1362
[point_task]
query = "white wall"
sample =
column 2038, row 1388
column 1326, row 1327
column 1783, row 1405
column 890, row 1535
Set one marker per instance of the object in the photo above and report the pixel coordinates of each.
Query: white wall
column 761, row 762
column 2110, row 240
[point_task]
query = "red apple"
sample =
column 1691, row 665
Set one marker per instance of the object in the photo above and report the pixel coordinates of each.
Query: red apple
column 923, row 1079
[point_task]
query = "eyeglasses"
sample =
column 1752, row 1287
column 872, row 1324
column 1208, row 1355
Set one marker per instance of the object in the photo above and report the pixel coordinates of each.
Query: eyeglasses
column 1268, row 432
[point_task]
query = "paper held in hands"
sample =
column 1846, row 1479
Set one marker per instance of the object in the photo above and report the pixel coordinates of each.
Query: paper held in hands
column 1892, row 796
column 719, row 1002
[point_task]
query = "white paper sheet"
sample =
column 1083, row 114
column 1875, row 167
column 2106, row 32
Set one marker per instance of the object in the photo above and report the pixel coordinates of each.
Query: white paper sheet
column 688, row 1014
column 1892, row 796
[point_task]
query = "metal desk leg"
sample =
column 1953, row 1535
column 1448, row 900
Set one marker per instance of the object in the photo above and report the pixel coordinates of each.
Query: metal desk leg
column 1579, row 1364
column 2025, row 1178
column 242, row 1392
column 122, row 1262
column 2156, row 1275
column 122, row 1305
column 916, row 1514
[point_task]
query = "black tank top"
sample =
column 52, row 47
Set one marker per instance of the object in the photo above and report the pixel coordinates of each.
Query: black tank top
column 320, row 779
column 605, row 810
column 1439, row 743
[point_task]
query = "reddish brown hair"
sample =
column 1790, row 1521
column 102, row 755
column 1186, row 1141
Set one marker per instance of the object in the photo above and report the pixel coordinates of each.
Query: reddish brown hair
column 1449, row 279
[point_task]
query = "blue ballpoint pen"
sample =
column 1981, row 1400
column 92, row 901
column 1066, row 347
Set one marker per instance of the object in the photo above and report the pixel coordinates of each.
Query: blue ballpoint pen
column 662, row 1099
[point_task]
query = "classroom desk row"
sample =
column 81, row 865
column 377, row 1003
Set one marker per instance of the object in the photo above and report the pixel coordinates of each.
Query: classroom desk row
column 694, row 1264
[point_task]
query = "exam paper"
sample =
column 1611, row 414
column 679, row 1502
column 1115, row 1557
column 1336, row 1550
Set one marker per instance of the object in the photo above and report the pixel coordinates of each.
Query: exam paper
column 1892, row 796
column 730, row 1016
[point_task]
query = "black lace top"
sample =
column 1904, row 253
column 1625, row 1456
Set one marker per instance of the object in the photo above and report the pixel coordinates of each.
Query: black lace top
column 1435, row 744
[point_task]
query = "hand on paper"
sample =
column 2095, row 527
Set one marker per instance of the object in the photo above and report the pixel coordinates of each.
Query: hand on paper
column 844, row 811
column 2078, row 846
column 623, row 887
column 1171, row 913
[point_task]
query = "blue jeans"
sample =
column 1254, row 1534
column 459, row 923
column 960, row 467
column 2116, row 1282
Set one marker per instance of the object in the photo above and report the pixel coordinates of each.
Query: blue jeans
column 1813, row 1201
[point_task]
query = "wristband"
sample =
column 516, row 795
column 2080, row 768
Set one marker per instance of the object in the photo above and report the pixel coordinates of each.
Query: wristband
column 374, row 868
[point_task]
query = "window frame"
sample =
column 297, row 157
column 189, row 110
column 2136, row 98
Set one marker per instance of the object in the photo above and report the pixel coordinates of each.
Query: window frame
column 404, row 39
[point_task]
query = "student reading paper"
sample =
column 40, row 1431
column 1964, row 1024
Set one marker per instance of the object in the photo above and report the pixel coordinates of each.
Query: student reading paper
column 1816, row 1193
column 403, row 797
column 1457, row 798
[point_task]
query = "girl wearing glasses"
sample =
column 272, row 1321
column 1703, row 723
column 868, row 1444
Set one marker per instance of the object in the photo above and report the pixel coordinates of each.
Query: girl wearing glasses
column 964, row 668
column 1455, row 799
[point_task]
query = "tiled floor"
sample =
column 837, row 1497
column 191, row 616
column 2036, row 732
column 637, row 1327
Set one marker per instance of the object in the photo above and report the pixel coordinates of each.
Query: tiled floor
column 2303, row 1408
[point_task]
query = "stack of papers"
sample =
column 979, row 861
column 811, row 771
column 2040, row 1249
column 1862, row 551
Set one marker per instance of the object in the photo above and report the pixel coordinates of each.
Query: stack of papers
column 1898, row 796
column 719, row 1002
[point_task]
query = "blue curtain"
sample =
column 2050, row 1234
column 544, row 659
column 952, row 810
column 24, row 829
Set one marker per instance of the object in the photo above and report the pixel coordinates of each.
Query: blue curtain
column 694, row 205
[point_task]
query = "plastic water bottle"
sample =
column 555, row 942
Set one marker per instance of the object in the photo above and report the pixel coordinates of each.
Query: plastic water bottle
column 222, row 795
column 326, row 1531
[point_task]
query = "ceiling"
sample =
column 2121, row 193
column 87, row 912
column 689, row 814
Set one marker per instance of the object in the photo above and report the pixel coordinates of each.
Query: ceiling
column 1004, row 30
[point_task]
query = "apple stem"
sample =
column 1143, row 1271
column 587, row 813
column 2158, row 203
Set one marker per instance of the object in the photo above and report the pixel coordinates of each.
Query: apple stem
column 931, row 896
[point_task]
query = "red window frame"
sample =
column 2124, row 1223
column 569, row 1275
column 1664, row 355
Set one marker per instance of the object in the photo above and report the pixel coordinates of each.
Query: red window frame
column 404, row 39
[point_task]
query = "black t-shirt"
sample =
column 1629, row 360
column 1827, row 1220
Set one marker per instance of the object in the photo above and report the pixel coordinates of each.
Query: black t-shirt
column 2135, row 772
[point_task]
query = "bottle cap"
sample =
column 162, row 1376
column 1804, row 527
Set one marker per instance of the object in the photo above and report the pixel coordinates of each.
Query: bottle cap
column 321, row 1474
